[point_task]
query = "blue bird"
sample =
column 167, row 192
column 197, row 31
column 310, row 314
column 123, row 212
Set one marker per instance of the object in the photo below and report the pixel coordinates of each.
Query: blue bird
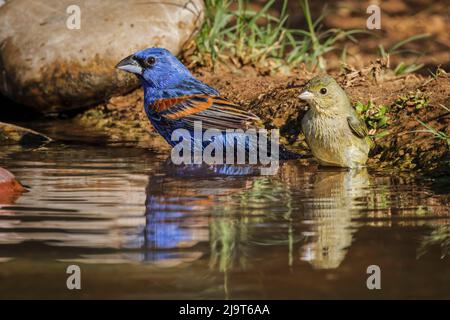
column 175, row 99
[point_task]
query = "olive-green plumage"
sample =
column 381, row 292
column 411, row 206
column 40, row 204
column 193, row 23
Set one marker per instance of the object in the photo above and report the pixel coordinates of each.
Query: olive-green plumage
column 332, row 128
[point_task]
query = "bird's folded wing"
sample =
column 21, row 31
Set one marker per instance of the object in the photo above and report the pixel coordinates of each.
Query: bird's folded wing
column 214, row 112
column 357, row 126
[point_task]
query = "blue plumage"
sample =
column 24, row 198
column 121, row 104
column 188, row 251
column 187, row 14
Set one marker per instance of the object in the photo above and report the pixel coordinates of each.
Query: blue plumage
column 175, row 99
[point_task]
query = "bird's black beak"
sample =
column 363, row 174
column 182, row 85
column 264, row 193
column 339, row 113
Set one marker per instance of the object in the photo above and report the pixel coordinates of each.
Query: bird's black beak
column 130, row 64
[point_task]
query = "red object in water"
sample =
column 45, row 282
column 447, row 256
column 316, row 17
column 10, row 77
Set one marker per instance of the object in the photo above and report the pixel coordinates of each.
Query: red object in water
column 10, row 188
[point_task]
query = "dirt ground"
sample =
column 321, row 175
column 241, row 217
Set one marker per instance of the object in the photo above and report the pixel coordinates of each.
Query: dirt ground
column 274, row 98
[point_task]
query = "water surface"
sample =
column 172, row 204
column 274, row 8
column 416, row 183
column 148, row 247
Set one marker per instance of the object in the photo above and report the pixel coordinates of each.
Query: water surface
column 139, row 227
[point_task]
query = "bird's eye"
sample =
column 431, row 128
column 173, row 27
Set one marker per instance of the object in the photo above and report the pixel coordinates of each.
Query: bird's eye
column 323, row 91
column 150, row 61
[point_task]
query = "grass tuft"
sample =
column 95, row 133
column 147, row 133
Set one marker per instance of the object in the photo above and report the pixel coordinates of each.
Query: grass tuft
column 236, row 35
column 404, row 68
column 440, row 135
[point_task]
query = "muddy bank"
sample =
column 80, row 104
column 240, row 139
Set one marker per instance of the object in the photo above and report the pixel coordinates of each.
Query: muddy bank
column 122, row 119
column 403, row 143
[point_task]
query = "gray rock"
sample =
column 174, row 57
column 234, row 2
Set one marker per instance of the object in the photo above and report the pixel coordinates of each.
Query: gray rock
column 48, row 66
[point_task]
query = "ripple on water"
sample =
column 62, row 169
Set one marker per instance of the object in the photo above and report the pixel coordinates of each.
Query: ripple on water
column 127, row 211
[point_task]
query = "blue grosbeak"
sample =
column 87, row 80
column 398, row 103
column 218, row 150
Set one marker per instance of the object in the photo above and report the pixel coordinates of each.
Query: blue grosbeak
column 174, row 98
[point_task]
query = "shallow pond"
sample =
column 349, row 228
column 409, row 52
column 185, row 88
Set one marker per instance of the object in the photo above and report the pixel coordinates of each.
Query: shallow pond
column 140, row 228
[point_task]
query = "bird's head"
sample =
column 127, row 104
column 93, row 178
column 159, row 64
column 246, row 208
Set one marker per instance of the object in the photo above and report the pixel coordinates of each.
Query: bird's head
column 325, row 95
column 155, row 67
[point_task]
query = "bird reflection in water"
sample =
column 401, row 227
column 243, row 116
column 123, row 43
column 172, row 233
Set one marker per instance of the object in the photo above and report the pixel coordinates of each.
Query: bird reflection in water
column 335, row 198
column 194, row 205
column 179, row 203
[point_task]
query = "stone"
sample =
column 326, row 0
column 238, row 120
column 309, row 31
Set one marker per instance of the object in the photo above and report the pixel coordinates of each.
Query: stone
column 12, row 134
column 57, row 56
column 10, row 188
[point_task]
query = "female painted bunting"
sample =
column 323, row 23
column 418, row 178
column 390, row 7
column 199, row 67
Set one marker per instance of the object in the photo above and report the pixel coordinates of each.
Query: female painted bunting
column 332, row 128
column 175, row 99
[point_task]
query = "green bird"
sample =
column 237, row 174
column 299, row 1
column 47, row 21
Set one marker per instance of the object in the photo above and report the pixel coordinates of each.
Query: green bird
column 332, row 128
